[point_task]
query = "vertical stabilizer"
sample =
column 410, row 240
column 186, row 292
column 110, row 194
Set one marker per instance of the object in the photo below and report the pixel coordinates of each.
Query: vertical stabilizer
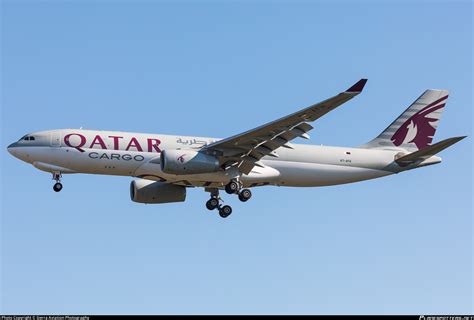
column 415, row 128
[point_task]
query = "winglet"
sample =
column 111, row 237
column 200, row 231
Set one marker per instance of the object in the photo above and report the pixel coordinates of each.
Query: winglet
column 358, row 87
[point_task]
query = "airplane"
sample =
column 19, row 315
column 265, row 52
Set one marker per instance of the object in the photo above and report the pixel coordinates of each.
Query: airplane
column 163, row 166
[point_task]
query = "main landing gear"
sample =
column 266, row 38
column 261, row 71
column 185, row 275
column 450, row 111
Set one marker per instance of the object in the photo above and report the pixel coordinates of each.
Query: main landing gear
column 58, row 186
column 215, row 203
column 245, row 195
column 233, row 187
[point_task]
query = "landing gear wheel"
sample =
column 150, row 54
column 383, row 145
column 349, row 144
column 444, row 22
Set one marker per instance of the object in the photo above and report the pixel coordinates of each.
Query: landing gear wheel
column 225, row 211
column 57, row 186
column 245, row 195
column 212, row 203
column 232, row 187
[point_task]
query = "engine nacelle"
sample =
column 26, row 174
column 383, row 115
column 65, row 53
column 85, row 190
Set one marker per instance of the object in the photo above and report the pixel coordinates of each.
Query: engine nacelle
column 147, row 191
column 187, row 162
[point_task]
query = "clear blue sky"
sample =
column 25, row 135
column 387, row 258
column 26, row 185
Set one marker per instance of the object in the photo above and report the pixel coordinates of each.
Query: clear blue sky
column 401, row 244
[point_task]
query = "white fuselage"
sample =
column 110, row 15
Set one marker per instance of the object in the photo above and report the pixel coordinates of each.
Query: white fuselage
column 138, row 155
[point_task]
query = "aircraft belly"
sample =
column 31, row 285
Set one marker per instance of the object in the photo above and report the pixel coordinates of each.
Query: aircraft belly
column 258, row 175
column 153, row 171
column 300, row 174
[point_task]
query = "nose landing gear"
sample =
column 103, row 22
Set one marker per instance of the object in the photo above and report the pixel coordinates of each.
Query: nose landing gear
column 58, row 186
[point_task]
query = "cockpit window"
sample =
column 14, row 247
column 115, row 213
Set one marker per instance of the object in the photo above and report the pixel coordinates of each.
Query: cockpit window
column 27, row 138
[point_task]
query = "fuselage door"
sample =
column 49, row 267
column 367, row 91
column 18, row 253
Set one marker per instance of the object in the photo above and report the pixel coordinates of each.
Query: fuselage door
column 55, row 139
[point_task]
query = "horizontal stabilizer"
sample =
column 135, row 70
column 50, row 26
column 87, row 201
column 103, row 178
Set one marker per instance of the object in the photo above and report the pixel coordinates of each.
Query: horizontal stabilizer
column 427, row 152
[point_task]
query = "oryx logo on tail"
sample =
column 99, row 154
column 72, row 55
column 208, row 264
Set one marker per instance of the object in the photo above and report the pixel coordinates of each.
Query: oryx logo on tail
column 420, row 127
column 414, row 129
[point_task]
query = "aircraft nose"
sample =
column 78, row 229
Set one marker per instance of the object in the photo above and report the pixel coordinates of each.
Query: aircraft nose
column 11, row 148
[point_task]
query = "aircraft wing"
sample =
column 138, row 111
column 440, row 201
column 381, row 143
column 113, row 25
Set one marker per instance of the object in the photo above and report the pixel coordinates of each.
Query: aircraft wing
column 244, row 150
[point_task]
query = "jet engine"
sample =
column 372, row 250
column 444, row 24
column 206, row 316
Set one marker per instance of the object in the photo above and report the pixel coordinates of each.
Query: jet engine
column 187, row 162
column 147, row 191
